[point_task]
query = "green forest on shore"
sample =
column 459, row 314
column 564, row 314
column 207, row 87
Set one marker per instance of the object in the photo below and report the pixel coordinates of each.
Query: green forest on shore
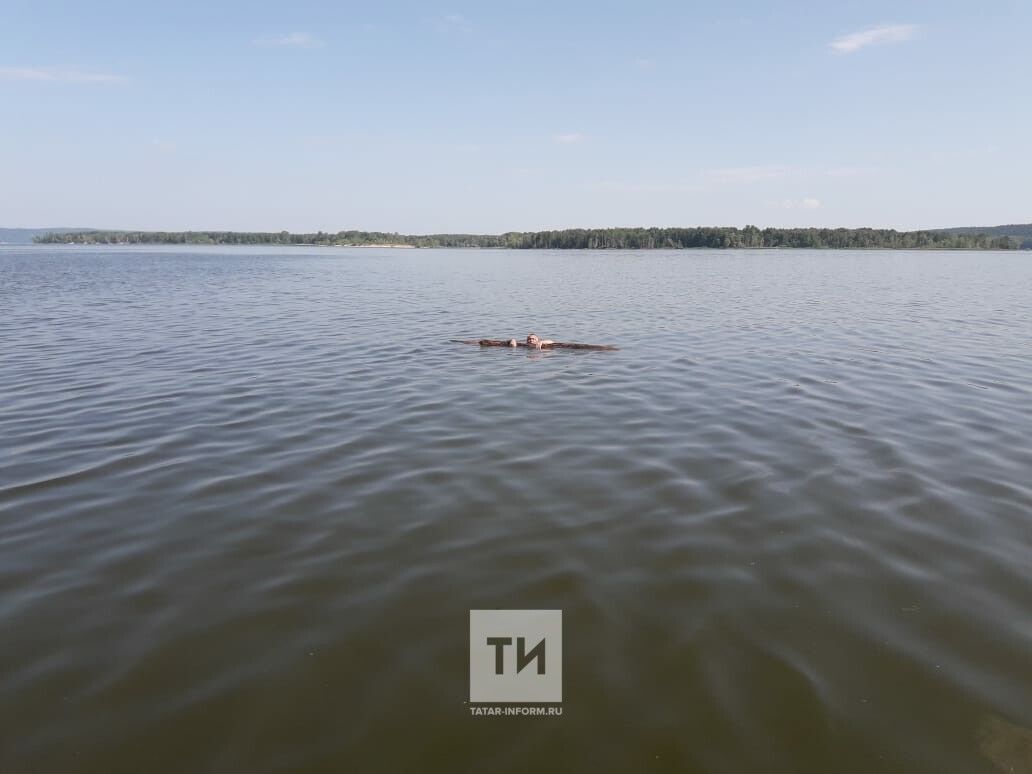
column 572, row 239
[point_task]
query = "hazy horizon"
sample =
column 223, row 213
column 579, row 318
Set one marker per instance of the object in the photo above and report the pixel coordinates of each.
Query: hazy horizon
column 320, row 116
column 76, row 229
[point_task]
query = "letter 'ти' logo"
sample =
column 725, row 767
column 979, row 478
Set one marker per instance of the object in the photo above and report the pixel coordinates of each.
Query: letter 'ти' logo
column 515, row 656
column 522, row 657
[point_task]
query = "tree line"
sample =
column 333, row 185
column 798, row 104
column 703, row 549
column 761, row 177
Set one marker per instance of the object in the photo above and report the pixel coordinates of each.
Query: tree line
column 571, row 239
column 1020, row 232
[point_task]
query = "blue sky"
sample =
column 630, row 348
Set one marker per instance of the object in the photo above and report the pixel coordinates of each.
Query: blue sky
column 485, row 117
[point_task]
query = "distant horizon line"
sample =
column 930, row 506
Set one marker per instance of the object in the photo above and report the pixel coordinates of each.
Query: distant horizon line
column 89, row 229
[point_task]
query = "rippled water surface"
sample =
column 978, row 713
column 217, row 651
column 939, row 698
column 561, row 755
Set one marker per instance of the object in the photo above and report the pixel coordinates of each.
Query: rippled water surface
column 248, row 498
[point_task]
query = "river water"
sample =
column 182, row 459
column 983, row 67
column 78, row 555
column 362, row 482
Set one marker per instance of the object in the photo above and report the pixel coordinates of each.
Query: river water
column 248, row 498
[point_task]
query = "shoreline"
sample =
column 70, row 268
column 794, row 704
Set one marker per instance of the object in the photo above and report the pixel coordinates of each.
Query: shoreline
column 631, row 238
column 291, row 246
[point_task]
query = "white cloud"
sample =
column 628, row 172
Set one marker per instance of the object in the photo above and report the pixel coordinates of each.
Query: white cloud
column 620, row 187
column 526, row 173
column 758, row 174
column 569, row 138
column 57, row 75
column 801, row 204
column 849, row 172
column 766, row 173
column 291, row 40
column 766, row 176
column 454, row 21
column 873, row 36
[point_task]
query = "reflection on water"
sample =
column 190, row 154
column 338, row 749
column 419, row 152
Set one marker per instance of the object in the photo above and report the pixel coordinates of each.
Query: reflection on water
column 248, row 498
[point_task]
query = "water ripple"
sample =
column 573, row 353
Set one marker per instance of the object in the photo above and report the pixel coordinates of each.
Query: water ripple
column 247, row 500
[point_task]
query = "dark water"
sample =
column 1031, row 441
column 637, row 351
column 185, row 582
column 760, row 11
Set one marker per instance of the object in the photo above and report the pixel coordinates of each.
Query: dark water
column 248, row 498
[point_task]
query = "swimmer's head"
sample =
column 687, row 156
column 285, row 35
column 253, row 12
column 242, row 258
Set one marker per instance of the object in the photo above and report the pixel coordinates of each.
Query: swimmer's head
column 532, row 340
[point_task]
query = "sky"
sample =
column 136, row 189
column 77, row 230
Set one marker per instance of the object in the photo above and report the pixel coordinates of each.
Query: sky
column 421, row 117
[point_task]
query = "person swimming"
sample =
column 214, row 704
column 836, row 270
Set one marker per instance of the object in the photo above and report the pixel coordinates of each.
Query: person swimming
column 533, row 341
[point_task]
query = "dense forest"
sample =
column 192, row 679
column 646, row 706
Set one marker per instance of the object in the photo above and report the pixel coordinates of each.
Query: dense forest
column 572, row 239
column 1020, row 232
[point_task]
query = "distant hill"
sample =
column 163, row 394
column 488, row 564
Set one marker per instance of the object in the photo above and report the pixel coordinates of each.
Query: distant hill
column 1022, row 232
column 25, row 236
